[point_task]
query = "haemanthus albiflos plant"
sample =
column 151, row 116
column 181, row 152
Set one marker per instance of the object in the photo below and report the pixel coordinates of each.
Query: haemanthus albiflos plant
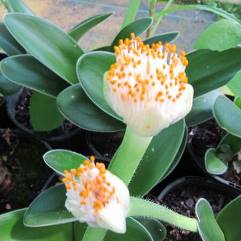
column 148, row 88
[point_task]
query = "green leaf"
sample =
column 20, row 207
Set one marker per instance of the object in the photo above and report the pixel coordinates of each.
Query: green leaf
column 202, row 108
column 218, row 11
column 7, row 87
column 229, row 220
column 208, row 227
column 213, row 164
column 230, row 143
column 17, row 6
column 79, row 109
column 178, row 156
column 227, row 115
column 60, row 160
column 12, row 229
column 79, row 30
column 235, row 84
column 164, row 38
column 237, row 101
column 28, row 72
column 44, row 114
column 48, row 209
column 216, row 160
column 47, row 43
column 39, row 214
column 131, row 12
column 138, row 27
column 158, row 159
column 8, row 43
column 135, row 232
column 90, row 70
column 209, row 70
column 221, row 35
column 156, row 228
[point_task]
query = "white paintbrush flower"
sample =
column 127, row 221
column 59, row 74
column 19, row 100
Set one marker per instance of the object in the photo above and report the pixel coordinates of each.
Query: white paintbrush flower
column 97, row 197
column 148, row 86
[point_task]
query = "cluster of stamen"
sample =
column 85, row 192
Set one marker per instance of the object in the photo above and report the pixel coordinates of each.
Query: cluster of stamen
column 144, row 73
column 89, row 181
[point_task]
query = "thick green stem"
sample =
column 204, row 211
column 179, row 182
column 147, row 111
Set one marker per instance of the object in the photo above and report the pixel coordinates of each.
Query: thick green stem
column 128, row 156
column 123, row 164
column 152, row 4
column 94, row 234
column 141, row 207
column 160, row 17
column 131, row 12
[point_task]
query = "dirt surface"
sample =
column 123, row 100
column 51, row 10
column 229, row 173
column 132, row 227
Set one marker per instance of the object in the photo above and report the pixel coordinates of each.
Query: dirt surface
column 22, row 170
column 204, row 136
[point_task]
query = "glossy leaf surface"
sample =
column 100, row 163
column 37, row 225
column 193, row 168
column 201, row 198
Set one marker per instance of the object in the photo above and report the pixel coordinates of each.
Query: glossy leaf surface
column 158, row 159
column 47, row 43
column 209, row 70
column 79, row 30
column 28, row 72
column 221, row 35
column 228, row 115
column 12, row 229
column 60, row 160
column 80, row 110
column 44, row 114
column 208, row 227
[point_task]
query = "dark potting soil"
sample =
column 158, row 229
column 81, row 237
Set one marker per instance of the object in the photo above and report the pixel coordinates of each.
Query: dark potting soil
column 22, row 170
column 232, row 175
column 183, row 201
column 204, row 136
column 104, row 145
column 208, row 135
column 23, row 116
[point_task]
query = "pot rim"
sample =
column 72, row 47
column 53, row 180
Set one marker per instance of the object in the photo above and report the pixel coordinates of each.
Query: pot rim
column 11, row 102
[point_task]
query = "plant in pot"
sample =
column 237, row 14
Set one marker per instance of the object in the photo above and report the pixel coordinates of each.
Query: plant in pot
column 34, row 108
column 219, row 138
column 182, row 195
column 100, row 197
column 152, row 102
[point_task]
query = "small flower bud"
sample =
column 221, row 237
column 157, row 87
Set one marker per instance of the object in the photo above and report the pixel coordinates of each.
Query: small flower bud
column 97, row 197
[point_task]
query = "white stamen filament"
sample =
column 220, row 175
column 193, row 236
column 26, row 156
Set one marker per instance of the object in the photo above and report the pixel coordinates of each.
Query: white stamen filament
column 148, row 86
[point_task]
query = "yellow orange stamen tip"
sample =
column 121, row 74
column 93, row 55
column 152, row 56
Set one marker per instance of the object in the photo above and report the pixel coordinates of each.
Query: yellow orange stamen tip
column 133, row 56
column 90, row 186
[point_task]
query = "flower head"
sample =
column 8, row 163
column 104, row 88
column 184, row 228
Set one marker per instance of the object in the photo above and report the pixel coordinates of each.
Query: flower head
column 148, row 86
column 97, row 197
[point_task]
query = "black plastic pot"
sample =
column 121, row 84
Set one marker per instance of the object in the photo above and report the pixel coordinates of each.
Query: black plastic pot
column 182, row 195
column 103, row 145
column 5, row 121
column 199, row 163
column 23, row 173
column 11, row 102
column 202, row 182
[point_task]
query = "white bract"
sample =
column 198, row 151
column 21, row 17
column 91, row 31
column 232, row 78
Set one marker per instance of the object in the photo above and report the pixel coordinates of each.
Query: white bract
column 97, row 197
column 148, row 86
